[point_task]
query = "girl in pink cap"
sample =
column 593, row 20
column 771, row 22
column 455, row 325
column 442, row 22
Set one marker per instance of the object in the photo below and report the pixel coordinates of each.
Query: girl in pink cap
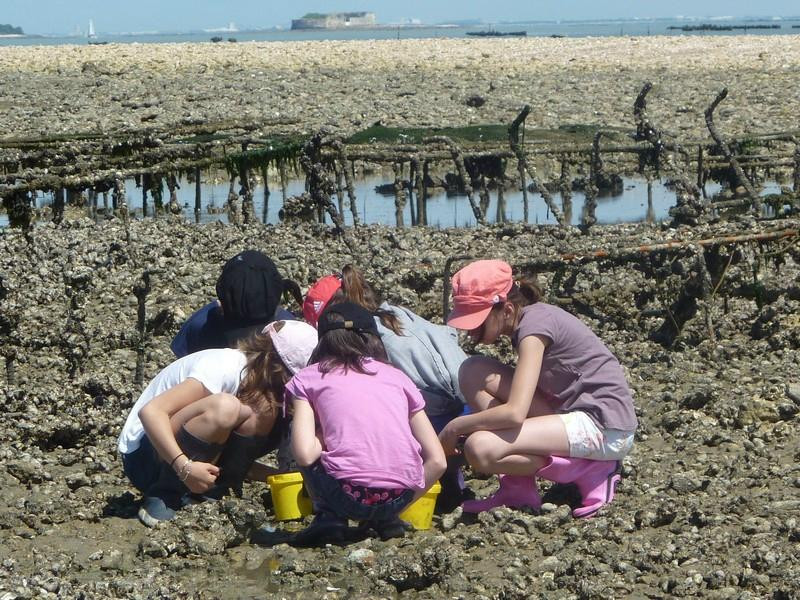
column 565, row 413
column 203, row 420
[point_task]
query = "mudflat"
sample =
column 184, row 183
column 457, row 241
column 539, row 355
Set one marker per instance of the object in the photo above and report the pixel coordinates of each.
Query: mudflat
column 348, row 85
column 708, row 504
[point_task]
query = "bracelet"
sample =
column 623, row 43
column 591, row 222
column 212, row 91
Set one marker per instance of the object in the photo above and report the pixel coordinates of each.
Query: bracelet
column 185, row 471
column 172, row 462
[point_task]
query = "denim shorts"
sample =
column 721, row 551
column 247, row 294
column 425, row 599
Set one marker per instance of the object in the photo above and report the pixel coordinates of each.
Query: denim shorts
column 327, row 495
column 142, row 465
column 587, row 440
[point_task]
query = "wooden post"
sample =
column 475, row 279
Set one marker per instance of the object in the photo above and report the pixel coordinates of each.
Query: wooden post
column 198, row 195
column 339, row 189
column 246, row 190
column 264, row 176
column 458, row 160
column 172, row 185
column 523, row 183
column 234, row 204
column 483, row 194
column 92, row 205
column 501, row 204
column 424, row 198
column 522, row 162
column 701, row 178
column 755, row 200
column 418, row 187
column 411, row 188
column 565, row 186
column 590, row 205
column 58, row 205
column 348, row 179
column 399, row 194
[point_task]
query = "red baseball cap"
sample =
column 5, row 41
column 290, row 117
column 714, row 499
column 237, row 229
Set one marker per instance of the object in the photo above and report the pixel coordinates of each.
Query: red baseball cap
column 476, row 289
column 318, row 297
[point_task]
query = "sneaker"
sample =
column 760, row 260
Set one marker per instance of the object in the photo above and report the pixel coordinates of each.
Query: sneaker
column 154, row 511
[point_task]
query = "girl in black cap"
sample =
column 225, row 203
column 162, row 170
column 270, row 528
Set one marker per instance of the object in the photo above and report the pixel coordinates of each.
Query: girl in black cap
column 249, row 291
column 360, row 434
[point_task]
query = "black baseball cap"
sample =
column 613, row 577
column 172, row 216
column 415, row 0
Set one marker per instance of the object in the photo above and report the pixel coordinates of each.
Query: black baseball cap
column 249, row 290
column 346, row 315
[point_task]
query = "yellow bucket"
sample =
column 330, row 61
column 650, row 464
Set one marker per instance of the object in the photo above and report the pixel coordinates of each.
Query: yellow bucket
column 289, row 497
column 420, row 512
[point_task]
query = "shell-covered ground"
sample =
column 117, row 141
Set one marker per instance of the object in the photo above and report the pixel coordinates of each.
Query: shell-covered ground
column 349, row 85
column 708, row 505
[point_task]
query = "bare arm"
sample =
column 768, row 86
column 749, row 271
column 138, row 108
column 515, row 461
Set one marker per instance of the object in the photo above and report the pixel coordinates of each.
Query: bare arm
column 156, row 417
column 306, row 447
column 433, row 459
column 514, row 411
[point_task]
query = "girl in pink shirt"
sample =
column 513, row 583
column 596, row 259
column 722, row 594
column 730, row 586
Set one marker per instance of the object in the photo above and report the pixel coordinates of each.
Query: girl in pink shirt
column 359, row 432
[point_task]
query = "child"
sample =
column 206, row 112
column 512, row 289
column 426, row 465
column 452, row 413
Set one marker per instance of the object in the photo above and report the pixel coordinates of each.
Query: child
column 565, row 413
column 359, row 432
column 427, row 353
column 249, row 291
column 203, row 420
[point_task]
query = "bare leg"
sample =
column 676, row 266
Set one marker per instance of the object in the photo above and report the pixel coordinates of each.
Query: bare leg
column 486, row 382
column 520, row 451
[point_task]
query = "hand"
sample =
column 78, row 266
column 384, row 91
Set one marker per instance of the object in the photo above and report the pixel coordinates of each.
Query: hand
column 202, row 476
column 448, row 437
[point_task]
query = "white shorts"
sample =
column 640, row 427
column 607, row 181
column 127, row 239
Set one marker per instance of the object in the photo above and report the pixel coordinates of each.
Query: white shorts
column 587, row 440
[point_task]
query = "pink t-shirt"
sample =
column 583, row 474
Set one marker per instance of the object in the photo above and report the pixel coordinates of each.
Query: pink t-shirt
column 365, row 423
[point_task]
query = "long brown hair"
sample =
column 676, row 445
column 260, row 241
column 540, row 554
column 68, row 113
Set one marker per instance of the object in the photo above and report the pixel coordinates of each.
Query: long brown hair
column 264, row 377
column 356, row 289
column 346, row 348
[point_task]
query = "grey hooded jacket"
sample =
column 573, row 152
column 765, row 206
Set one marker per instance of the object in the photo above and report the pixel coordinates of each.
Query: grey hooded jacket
column 430, row 355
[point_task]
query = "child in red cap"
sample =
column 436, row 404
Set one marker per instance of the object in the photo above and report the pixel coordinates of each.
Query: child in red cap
column 565, row 413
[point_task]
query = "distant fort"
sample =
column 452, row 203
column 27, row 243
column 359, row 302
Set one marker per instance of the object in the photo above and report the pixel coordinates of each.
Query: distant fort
column 334, row 20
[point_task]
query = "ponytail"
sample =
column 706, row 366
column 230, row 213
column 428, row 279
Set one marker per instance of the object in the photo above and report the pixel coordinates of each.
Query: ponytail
column 293, row 289
column 356, row 289
column 525, row 292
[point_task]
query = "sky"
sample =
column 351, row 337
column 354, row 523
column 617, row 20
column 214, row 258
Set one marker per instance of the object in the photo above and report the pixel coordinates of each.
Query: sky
column 114, row 16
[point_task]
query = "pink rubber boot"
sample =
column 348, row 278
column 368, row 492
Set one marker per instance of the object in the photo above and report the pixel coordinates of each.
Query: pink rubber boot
column 515, row 491
column 596, row 480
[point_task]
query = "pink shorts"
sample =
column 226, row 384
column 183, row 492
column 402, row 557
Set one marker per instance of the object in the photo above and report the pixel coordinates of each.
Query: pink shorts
column 587, row 440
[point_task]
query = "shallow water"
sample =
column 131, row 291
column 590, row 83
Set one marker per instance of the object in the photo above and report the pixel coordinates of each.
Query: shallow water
column 633, row 205
column 570, row 29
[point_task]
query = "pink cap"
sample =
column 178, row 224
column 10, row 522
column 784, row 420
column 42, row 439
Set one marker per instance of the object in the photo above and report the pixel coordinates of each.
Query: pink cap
column 318, row 297
column 294, row 343
column 476, row 289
